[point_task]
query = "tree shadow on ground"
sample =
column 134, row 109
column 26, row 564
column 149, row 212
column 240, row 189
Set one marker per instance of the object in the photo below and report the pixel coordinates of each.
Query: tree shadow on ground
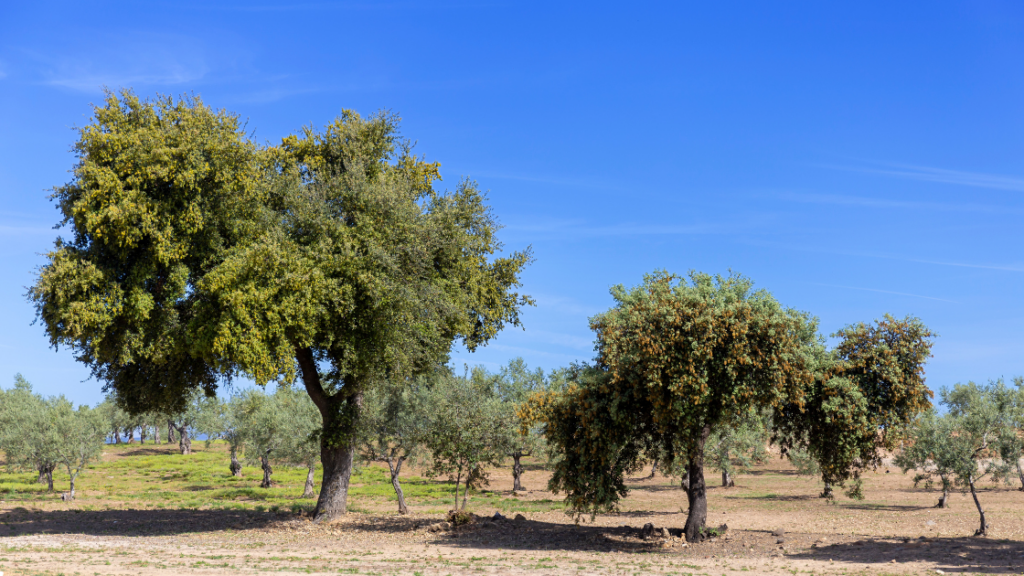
column 22, row 521
column 776, row 497
column 885, row 507
column 951, row 555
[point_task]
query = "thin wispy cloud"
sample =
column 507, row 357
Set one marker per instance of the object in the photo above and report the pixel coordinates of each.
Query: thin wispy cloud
column 942, row 176
column 555, row 180
column 885, row 292
column 868, row 202
column 128, row 61
column 576, row 229
column 983, row 266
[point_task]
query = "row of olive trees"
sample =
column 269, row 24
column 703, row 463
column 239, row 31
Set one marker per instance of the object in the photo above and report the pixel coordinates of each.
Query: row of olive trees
column 980, row 435
column 458, row 425
column 42, row 434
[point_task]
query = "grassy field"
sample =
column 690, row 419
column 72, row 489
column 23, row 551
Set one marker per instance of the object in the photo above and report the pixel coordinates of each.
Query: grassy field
column 147, row 510
column 151, row 477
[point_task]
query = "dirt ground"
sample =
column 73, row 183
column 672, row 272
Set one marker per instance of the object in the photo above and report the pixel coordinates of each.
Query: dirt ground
column 776, row 525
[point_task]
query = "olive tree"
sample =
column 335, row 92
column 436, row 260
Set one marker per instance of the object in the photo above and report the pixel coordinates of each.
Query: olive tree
column 935, row 451
column 302, row 425
column 27, row 436
column 394, row 428
column 514, row 384
column 739, row 446
column 262, row 428
column 79, row 433
column 195, row 256
column 219, row 420
column 467, row 431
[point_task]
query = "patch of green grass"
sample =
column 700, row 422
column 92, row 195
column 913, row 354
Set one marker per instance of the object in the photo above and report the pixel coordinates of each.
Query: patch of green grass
column 159, row 477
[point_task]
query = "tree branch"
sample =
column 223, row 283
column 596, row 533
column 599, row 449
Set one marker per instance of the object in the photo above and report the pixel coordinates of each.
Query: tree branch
column 311, row 379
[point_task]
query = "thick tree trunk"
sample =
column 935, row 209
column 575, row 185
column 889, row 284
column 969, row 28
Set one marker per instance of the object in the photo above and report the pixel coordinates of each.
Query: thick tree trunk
column 184, row 442
column 130, row 433
column 170, row 431
column 142, row 435
column 727, row 481
column 696, row 493
column 156, row 434
column 236, row 466
column 983, row 530
column 307, row 490
column 944, row 501
column 517, row 472
column 340, row 415
column 49, row 478
column 827, row 492
column 267, row 470
column 396, row 469
column 42, row 474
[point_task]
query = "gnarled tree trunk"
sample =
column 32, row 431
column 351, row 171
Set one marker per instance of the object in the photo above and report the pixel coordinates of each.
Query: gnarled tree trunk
column 170, row 431
column 267, row 470
column 236, row 466
column 396, row 468
column 944, row 500
column 727, row 481
column 184, row 442
column 696, row 492
column 307, row 490
column 983, row 530
column 517, row 472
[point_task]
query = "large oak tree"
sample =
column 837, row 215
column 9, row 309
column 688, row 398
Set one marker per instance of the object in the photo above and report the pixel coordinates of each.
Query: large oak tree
column 196, row 255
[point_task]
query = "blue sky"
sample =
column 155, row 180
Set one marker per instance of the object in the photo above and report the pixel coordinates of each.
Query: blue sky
column 854, row 160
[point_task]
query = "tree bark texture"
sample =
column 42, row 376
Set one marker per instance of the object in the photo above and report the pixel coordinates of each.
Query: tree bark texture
column 827, row 491
column 727, row 481
column 696, row 493
column 170, row 431
column 944, row 500
column 267, row 470
column 307, row 490
column 184, row 441
column 517, row 472
column 396, row 469
column 236, row 466
column 337, row 446
column 983, row 530
column 71, row 494
column 142, row 435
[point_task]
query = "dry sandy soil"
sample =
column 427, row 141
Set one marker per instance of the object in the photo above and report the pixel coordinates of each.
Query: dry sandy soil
column 895, row 530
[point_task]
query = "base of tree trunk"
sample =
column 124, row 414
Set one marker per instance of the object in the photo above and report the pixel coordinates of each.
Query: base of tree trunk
column 333, row 500
column 307, row 491
column 696, row 493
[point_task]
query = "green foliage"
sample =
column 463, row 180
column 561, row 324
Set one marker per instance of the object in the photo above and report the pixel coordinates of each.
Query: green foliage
column 964, row 446
column 41, row 434
column 676, row 361
column 197, row 255
column 739, row 446
column 864, row 394
column 466, row 429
